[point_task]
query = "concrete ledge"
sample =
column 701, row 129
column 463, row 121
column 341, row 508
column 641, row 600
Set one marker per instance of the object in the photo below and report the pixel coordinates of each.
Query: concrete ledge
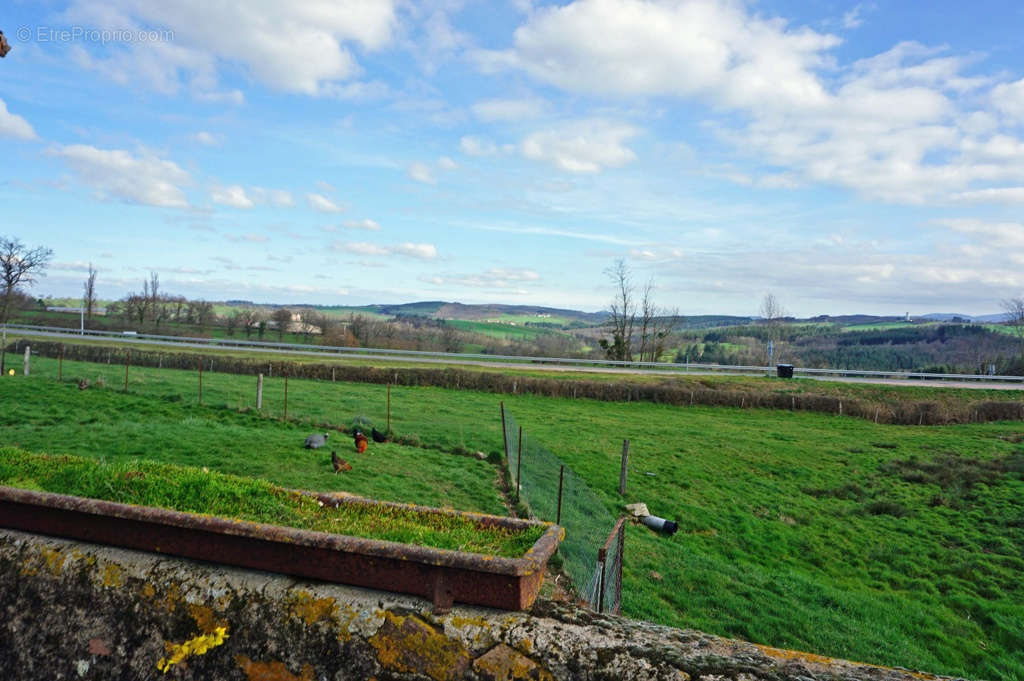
column 84, row 611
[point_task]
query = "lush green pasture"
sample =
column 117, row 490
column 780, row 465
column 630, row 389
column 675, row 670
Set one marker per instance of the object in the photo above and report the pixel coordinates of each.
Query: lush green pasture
column 497, row 330
column 43, row 416
column 201, row 491
column 889, row 544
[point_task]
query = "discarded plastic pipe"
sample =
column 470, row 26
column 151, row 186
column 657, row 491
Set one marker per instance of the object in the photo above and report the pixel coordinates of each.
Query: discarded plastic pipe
column 660, row 524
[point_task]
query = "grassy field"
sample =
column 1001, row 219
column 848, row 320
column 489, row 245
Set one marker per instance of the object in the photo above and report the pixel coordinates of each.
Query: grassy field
column 497, row 330
column 201, row 491
column 888, row 544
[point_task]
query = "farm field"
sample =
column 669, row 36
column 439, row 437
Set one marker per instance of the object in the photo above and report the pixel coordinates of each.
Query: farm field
column 888, row 544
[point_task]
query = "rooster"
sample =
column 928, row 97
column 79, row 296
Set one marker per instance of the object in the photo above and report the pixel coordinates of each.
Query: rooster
column 339, row 463
column 360, row 442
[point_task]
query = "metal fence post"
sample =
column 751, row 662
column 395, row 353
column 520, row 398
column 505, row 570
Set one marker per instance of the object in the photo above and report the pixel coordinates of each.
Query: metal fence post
column 561, row 476
column 28, row 355
column 259, row 392
column 519, row 465
column 622, row 471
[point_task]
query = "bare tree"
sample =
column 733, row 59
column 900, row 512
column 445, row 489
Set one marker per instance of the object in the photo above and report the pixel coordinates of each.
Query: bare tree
column 772, row 314
column 89, row 293
column 1014, row 308
column 622, row 313
column 19, row 266
column 283, row 318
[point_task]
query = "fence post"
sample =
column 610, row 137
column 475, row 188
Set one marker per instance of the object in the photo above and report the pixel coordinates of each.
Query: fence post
column 28, row 354
column 3, row 351
column 286, row 396
column 602, row 556
column 60, row 364
column 504, row 432
column 127, row 361
column 519, row 464
column 200, row 381
column 622, row 471
column 618, row 569
column 561, row 476
column 259, row 392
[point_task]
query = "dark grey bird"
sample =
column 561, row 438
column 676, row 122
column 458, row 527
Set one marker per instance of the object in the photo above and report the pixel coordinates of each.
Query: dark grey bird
column 378, row 436
column 316, row 440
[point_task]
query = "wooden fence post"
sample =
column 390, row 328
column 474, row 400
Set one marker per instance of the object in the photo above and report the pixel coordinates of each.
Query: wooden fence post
column 259, row 392
column 622, row 471
column 28, row 354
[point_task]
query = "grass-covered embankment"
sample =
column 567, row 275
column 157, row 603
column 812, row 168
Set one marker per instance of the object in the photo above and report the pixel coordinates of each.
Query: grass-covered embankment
column 201, row 491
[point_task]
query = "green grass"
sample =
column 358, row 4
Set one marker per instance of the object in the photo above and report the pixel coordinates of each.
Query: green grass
column 821, row 533
column 497, row 330
column 199, row 491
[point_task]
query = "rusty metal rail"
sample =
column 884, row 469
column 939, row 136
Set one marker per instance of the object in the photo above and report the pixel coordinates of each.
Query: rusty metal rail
column 439, row 575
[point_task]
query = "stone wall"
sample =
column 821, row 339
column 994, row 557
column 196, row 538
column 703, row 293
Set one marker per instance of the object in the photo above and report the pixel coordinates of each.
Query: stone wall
column 81, row 611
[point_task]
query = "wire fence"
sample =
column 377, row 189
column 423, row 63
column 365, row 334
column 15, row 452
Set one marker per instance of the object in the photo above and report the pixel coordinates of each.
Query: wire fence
column 554, row 492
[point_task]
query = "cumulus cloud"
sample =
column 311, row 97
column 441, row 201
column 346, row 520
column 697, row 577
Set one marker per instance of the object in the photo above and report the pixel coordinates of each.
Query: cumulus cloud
column 232, row 195
column 581, row 146
column 362, row 224
column 407, row 249
column 421, row 172
column 141, row 178
column 292, row 47
column 509, row 109
column 12, row 125
column 323, row 204
column 477, row 146
column 900, row 126
column 207, row 139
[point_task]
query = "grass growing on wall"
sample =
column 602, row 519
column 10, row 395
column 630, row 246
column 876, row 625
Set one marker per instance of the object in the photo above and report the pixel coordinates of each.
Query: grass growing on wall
column 195, row 490
column 898, row 545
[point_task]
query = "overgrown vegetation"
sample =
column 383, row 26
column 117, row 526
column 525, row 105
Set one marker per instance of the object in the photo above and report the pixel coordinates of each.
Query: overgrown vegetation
column 195, row 490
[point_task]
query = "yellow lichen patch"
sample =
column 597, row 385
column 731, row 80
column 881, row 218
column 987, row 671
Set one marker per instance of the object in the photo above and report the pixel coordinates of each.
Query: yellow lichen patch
column 271, row 671
column 197, row 645
column 502, row 663
column 113, row 576
column 408, row 644
column 54, row 560
column 312, row 610
column 205, row 620
column 147, row 590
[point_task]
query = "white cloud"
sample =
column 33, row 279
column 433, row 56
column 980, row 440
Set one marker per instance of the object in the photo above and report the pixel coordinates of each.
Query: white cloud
column 411, row 250
column 498, row 278
column 323, row 204
column 1003, row 235
column 899, row 126
column 509, row 109
column 115, row 173
column 992, row 195
column 293, row 47
column 207, row 139
column 477, row 146
column 12, row 125
column 362, row 224
column 273, row 197
column 446, row 163
column 251, row 238
column 1009, row 99
column 232, row 195
column 581, row 146
column 421, row 172
column 852, row 18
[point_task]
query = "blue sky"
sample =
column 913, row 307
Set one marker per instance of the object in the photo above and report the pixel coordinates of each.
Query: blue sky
column 845, row 156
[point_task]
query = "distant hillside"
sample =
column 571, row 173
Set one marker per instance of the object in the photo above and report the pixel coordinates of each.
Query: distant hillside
column 949, row 317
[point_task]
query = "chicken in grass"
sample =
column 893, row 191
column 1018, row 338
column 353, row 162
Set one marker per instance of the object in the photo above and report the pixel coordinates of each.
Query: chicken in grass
column 316, row 441
column 339, row 463
column 378, row 436
column 361, row 442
